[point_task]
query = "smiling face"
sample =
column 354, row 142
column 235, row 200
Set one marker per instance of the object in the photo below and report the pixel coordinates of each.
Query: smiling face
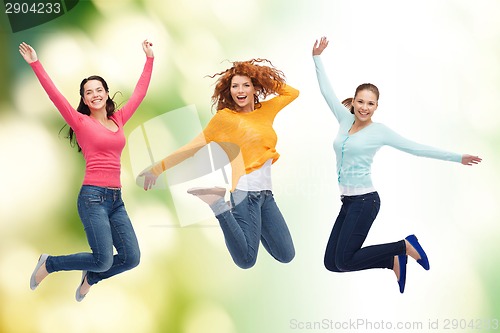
column 94, row 95
column 242, row 92
column 365, row 103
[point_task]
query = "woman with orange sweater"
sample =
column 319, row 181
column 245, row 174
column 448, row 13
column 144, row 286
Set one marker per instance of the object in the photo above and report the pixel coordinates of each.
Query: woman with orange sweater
column 243, row 128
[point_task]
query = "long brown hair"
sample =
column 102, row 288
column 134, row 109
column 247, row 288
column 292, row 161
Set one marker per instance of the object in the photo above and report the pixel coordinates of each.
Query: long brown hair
column 266, row 79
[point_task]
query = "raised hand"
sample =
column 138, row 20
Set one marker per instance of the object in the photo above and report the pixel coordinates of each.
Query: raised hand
column 320, row 46
column 28, row 53
column 147, row 47
column 470, row 160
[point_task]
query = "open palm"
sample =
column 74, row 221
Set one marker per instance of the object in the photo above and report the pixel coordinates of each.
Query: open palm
column 320, row 46
column 28, row 53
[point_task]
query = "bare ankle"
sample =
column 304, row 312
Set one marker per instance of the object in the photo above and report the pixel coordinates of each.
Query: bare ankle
column 395, row 268
column 411, row 251
column 41, row 273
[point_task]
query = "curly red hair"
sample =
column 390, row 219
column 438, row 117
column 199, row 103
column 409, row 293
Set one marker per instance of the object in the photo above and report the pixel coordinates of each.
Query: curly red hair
column 267, row 80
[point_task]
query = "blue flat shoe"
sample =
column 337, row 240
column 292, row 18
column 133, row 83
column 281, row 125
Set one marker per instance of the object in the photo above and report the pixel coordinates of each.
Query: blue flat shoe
column 403, row 259
column 423, row 261
column 41, row 261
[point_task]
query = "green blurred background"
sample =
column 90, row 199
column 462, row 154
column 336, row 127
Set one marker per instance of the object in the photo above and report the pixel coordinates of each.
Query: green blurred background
column 437, row 65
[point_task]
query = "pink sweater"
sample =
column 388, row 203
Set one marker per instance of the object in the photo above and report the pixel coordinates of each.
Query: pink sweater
column 101, row 147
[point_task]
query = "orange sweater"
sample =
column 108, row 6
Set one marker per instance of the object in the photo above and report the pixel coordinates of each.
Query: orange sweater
column 248, row 139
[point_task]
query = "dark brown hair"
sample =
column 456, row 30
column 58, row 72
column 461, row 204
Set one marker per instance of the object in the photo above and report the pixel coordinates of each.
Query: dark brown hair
column 84, row 109
column 365, row 86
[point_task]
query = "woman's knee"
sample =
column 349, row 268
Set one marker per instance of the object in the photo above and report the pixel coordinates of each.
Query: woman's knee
column 133, row 259
column 336, row 263
column 103, row 262
column 287, row 257
column 341, row 263
column 245, row 264
column 331, row 266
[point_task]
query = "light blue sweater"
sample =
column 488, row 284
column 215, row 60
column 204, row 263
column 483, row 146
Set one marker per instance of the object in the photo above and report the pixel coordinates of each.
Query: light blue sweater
column 355, row 152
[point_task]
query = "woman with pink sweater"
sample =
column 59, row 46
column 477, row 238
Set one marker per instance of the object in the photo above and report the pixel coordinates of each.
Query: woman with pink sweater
column 97, row 128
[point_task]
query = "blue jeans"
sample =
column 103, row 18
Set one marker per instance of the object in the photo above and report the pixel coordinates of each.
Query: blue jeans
column 106, row 224
column 255, row 217
column 344, row 250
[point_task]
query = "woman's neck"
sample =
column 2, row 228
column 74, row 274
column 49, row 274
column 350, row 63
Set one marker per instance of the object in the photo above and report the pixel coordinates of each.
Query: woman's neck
column 245, row 109
column 359, row 125
column 100, row 115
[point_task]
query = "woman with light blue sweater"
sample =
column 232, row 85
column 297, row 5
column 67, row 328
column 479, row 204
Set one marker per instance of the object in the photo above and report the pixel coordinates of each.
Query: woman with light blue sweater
column 357, row 141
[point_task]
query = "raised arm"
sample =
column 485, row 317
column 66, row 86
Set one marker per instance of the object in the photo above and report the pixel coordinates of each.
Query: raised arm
column 69, row 114
column 339, row 110
column 286, row 94
column 142, row 85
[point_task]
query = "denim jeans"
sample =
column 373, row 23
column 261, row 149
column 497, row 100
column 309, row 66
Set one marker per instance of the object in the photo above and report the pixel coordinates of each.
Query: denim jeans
column 106, row 224
column 254, row 217
column 344, row 250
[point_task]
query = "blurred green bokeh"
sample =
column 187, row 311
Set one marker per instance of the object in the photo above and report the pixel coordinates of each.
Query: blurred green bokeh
column 438, row 67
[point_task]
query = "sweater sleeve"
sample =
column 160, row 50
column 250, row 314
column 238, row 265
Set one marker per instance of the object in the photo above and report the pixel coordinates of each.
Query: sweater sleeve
column 395, row 140
column 286, row 95
column 180, row 154
column 139, row 93
column 339, row 110
column 70, row 115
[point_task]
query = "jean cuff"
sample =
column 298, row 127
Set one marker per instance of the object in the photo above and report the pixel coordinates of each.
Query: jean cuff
column 219, row 207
